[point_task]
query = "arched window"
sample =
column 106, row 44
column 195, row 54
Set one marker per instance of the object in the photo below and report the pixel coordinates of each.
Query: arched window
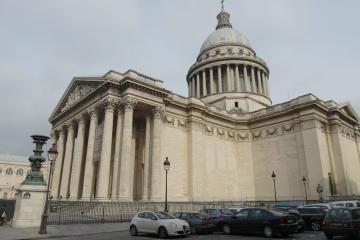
column 9, row 171
column 20, row 172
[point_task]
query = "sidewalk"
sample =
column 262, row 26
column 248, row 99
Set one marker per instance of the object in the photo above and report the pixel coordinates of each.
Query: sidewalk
column 8, row 233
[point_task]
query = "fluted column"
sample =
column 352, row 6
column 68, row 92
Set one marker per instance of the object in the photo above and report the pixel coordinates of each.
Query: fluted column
column 103, row 183
column 198, row 85
column 220, row 79
column 78, row 155
column 127, row 164
column 204, row 83
column 228, row 80
column 264, row 83
column 56, row 179
column 156, row 161
column 246, row 79
column 253, row 80
column 237, row 78
column 261, row 91
column 89, row 165
column 193, row 87
column 65, row 179
column 212, row 87
column 116, row 166
column 147, row 158
column 267, row 85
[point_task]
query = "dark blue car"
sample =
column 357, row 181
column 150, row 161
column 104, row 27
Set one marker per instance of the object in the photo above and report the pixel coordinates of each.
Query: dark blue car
column 199, row 222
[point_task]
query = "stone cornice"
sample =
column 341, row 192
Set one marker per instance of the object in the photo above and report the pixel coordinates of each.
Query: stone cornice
column 143, row 87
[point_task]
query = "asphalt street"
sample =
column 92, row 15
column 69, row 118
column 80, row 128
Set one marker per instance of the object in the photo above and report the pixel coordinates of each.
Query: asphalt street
column 126, row 236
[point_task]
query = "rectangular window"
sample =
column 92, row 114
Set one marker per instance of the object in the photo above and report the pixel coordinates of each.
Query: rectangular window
column 236, row 104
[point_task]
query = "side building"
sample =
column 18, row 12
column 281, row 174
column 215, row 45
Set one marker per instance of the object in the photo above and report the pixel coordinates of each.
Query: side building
column 224, row 140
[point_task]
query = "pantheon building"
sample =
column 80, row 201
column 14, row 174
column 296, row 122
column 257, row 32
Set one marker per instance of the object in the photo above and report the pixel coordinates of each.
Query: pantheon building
column 224, row 140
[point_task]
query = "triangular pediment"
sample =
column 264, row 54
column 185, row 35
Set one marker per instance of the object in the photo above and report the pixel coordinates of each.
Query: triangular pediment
column 348, row 110
column 77, row 90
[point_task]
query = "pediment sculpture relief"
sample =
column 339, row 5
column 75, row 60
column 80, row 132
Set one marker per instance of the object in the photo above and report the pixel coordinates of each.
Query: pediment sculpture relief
column 79, row 92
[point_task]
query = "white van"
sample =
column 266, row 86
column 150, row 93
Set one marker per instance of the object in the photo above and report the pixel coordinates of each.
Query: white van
column 348, row 204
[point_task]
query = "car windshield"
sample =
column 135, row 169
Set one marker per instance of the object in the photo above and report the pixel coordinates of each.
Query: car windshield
column 277, row 213
column 226, row 211
column 164, row 215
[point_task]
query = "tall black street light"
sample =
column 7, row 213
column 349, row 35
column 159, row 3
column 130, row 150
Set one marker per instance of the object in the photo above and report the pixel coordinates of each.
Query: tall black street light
column 52, row 154
column 273, row 176
column 304, row 182
column 166, row 168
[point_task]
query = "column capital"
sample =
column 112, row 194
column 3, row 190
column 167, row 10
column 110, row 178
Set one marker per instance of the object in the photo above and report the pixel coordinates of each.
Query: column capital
column 158, row 112
column 92, row 112
column 129, row 104
column 109, row 104
column 80, row 120
column 69, row 126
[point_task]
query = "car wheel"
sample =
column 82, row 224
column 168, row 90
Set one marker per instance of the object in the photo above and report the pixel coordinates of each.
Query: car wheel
column 226, row 229
column 315, row 225
column 328, row 236
column 133, row 230
column 163, row 233
column 268, row 232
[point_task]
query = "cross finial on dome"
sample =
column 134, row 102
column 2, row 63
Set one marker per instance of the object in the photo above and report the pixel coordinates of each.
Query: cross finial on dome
column 223, row 18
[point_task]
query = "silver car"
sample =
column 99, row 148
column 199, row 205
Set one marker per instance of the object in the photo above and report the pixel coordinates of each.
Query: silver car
column 160, row 223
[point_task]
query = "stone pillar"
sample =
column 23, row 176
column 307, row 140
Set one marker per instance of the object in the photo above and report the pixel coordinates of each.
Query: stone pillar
column 103, row 183
column 89, row 165
column 189, row 89
column 237, row 78
column 261, row 91
column 65, row 179
column 78, row 156
column 198, row 85
column 267, row 85
column 204, row 83
column 264, row 83
column 156, row 161
column 193, row 87
column 212, row 81
column 116, row 167
column 147, row 158
column 228, row 80
column 220, row 79
column 127, row 164
column 56, row 178
column 246, row 80
column 253, row 80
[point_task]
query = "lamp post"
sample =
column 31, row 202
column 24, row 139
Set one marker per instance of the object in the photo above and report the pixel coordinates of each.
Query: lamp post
column 166, row 168
column 304, row 182
column 52, row 154
column 273, row 176
column 320, row 190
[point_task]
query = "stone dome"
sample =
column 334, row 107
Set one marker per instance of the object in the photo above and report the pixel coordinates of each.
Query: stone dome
column 225, row 36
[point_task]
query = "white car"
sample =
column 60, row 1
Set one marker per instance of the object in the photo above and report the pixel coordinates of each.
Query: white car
column 348, row 204
column 160, row 223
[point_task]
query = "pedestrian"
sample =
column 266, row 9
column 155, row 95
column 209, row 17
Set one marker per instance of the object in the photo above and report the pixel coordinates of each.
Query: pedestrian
column 3, row 218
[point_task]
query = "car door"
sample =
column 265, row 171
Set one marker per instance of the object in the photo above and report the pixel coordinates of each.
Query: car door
column 238, row 222
column 255, row 220
column 150, row 223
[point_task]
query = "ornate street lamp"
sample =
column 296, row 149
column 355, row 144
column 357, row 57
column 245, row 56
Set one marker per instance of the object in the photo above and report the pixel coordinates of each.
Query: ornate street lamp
column 52, row 155
column 273, row 176
column 304, row 182
column 166, row 168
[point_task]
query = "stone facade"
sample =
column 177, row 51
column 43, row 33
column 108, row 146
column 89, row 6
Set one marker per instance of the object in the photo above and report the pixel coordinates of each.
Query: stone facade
column 113, row 133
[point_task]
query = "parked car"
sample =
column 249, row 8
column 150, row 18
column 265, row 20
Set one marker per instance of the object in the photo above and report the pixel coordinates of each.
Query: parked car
column 346, row 204
column 313, row 217
column 342, row 222
column 217, row 214
column 324, row 206
column 297, row 216
column 259, row 221
column 199, row 222
column 160, row 223
column 235, row 210
column 286, row 205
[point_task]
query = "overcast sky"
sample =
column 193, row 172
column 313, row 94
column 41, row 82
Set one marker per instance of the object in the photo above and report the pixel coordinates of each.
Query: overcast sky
column 310, row 47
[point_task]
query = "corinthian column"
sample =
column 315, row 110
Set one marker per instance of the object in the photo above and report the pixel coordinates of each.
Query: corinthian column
column 156, row 161
column 78, row 155
column 204, row 82
column 246, row 78
column 198, row 85
column 220, row 79
column 228, row 81
column 212, row 89
column 147, row 158
column 58, row 164
column 103, row 183
column 237, row 78
column 264, row 83
column 259, row 81
column 65, row 179
column 89, row 166
column 253, row 80
column 127, row 165
column 116, row 168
